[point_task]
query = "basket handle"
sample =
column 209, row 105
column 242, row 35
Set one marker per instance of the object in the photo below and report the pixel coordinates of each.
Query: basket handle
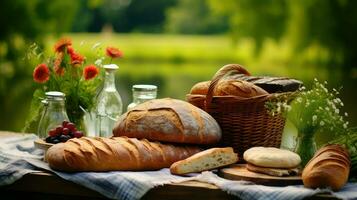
column 225, row 70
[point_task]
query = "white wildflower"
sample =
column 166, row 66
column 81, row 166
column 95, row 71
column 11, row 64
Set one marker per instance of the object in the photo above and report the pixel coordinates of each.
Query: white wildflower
column 337, row 111
column 322, row 123
column 327, row 108
column 96, row 45
column 345, row 125
column 346, row 114
column 314, row 118
column 98, row 62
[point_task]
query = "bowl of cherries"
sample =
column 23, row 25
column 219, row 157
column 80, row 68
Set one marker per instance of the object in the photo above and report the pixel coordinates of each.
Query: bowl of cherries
column 61, row 133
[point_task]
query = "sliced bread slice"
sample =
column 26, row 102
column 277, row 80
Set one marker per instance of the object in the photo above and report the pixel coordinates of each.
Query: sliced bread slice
column 205, row 160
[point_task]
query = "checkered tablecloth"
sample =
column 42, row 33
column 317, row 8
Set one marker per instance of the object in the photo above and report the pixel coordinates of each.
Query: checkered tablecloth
column 19, row 157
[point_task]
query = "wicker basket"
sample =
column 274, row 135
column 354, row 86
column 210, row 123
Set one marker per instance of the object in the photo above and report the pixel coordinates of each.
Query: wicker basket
column 245, row 122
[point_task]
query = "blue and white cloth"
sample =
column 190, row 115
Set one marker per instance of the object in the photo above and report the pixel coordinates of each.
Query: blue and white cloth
column 19, row 157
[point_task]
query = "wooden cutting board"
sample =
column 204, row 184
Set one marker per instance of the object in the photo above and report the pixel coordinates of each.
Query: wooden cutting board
column 240, row 172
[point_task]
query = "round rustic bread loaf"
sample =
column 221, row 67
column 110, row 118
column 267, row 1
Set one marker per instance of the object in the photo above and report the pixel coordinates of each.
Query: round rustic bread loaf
column 238, row 88
column 169, row 120
column 271, row 157
column 200, row 88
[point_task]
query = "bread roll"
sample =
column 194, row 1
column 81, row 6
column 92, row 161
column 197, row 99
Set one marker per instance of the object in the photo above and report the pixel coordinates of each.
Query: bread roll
column 169, row 120
column 329, row 167
column 205, row 160
column 238, row 88
column 273, row 171
column 117, row 153
column 200, row 88
column 271, row 157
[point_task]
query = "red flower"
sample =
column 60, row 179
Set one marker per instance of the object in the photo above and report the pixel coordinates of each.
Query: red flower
column 58, row 64
column 62, row 43
column 70, row 50
column 59, row 70
column 90, row 72
column 41, row 74
column 76, row 58
column 114, row 52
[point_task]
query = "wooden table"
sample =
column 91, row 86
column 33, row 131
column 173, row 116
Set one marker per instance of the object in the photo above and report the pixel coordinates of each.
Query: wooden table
column 44, row 185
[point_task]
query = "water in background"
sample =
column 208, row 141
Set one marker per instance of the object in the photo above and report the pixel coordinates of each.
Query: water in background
column 175, row 80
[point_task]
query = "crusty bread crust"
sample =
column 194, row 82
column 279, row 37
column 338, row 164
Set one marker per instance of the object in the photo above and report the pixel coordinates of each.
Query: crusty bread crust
column 117, row 153
column 329, row 167
column 238, row 88
column 205, row 160
column 169, row 120
column 200, row 88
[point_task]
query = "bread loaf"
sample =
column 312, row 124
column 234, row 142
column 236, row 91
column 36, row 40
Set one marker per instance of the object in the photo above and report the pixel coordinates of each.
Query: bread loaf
column 117, row 153
column 329, row 167
column 271, row 157
column 169, row 120
column 205, row 160
column 273, row 171
column 238, row 88
column 200, row 88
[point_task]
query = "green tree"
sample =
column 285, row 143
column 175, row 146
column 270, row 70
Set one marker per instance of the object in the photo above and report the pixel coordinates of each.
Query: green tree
column 194, row 17
column 23, row 22
column 330, row 24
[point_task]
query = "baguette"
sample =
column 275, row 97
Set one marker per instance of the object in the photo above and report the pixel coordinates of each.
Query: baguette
column 117, row 153
column 205, row 160
column 329, row 167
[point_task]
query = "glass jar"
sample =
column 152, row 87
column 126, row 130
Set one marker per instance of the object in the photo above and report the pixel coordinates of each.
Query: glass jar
column 305, row 147
column 54, row 113
column 109, row 104
column 142, row 93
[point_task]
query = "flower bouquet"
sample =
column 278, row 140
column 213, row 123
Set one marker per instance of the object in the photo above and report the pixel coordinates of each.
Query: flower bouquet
column 313, row 111
column 67, row 71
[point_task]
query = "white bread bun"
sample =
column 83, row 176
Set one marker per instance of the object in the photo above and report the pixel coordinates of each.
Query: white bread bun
column 271, row 157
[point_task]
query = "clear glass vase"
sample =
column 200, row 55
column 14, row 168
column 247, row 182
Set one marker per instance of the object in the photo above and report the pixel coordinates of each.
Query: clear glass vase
column 109, row 104
column 305, row 147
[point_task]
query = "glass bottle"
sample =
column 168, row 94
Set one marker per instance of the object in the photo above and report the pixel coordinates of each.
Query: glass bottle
column 109, row 104
column 142, row 93
column 54, row 113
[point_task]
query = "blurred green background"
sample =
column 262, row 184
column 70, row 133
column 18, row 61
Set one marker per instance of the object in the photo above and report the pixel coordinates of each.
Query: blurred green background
column 176, row 43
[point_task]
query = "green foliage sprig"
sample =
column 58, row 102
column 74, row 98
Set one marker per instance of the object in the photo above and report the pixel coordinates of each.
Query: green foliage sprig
column 318, row 109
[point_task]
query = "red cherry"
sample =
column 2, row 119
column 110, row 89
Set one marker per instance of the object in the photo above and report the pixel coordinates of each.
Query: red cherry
column 52, row 132
column 59, row 130
column 64, row 123
column 78, row 134
column 65, row 131
column 71, row 127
